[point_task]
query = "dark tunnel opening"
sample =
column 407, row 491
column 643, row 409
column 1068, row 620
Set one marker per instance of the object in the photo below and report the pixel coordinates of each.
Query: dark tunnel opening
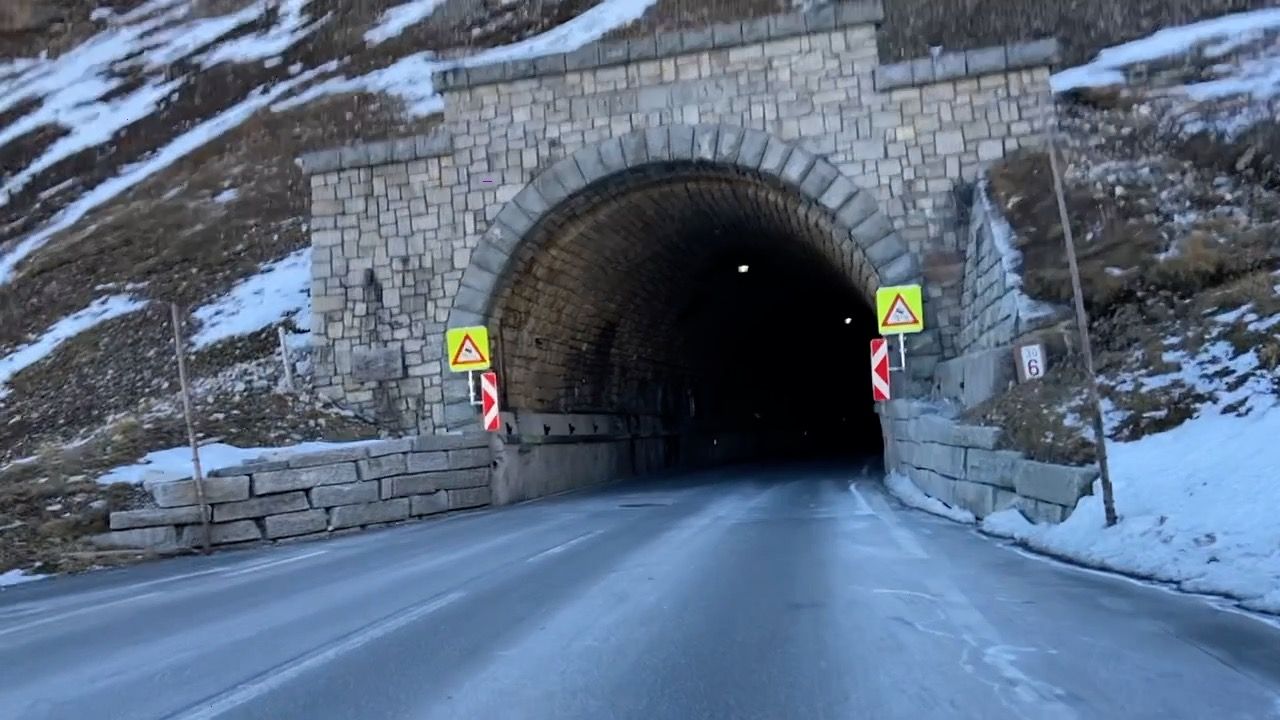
column 719, row 301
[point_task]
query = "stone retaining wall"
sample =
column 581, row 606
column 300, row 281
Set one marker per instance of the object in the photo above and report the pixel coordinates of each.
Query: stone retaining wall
column 314, row 494
column 963, row 465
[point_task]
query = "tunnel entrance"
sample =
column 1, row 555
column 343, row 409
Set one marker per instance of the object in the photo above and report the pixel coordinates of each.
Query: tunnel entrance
column 729, row 299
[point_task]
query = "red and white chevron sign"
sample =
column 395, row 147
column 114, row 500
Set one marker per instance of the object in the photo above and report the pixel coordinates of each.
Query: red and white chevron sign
column 489, row 401
column 880, row 369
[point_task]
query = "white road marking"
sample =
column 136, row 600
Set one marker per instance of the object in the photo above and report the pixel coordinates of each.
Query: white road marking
column 73, row 613
column 273, row 563
column 260, row 686
column 863, row 507
column 903, row 537
column 563, row 546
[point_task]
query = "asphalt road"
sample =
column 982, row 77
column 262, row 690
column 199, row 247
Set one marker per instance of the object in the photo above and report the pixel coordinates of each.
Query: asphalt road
column 744, row 593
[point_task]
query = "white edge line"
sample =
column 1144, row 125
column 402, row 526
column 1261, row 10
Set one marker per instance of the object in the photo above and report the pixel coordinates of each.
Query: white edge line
column 562, row 546
column 73, row 613
column 272, row 680
column 273, row 563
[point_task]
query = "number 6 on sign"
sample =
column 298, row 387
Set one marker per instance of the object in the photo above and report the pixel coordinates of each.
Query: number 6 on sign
column 1031, row 362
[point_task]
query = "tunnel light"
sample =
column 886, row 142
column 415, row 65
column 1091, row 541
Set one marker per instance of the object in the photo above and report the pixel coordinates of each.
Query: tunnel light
column 848, row 321
column 743, row 268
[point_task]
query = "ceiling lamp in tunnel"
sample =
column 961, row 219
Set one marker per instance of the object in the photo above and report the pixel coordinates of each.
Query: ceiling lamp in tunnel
column 743, row 268
column 848, row 321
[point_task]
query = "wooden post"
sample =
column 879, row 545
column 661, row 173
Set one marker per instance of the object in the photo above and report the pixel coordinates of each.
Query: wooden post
column 1082, row 319
column 197, row 474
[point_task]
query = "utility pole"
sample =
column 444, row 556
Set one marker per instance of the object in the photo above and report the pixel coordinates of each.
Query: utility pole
column 1082, row 319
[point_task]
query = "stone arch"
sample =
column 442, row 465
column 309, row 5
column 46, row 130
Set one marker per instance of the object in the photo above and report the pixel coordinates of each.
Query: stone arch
column 864, row 234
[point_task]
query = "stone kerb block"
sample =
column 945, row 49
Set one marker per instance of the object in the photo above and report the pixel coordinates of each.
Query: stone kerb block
column 1057, row 484
column 466, row 498
column 345, row 516
column 347, row 494
column 216, row 490
column 153, row 517
column 150, row 538
column 304, row 522
column 220, row 533
column 260, row 507
column 436, row 502
column 279, row 481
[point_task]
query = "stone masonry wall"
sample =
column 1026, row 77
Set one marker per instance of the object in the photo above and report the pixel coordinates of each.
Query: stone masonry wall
column 962, row 466
column 394, row 223
column 314, row 494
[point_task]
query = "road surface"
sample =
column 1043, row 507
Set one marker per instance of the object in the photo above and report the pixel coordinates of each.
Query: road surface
column 738, row 593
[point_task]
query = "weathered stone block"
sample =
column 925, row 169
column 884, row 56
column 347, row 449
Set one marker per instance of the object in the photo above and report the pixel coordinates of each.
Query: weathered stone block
column 303, row 478
column 471, row 458
column 468, row 498
column 152, row 517
column 260, row 507
column 976, row 436
column 456, row 479
column 348, row 494
column 976, row 498
column 216, row 490
column 432, row 443
column 390, row 447
column 220, row 533
column 248, row 468
column 375, row 364
column 327, row 457
column 932, row 428
column 992, row 466
column 151, row 538
column 380, row 467
column 296, row 523
column 1057, row 484
column 345, row 516
column 944, row 459
column 436, row 502
column 422, row 462
column 1041, row 512
column 408, row 485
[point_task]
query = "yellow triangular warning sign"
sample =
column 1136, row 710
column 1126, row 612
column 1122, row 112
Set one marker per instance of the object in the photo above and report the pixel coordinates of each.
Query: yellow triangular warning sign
column 899, row 314
column 468, row 353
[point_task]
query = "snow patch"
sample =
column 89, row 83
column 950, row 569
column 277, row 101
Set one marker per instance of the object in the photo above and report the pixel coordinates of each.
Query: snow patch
column 1011, row 258
column 10, row 578
column 226, row 196
column 906, row 491
column 175, row 463
column 137, row 173
column 281, row 290
column 1196, row 507
column 291, row 27
column 397, row 19
column 410, row 78
column 1106, row 68
column 99, row 311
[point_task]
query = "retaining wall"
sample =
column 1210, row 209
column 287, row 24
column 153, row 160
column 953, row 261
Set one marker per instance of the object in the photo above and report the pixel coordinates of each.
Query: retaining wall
column 963, row 465
column 314, row 494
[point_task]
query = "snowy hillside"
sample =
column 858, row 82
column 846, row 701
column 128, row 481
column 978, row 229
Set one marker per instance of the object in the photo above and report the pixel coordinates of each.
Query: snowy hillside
column 1171, row 145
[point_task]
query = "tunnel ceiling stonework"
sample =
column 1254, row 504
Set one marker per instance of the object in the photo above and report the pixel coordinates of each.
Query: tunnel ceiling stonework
column 582, row 186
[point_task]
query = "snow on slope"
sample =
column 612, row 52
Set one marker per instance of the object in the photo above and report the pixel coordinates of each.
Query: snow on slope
column 1197, row 508
column 175, row 463
column 78, row 92
column 397, row 19
column 100, row 311
column 410, row 77
column 278, row 292
column 1227, row 31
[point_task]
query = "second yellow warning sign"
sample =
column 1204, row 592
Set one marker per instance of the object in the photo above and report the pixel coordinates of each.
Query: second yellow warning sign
column 900, row 309
column 468, row 348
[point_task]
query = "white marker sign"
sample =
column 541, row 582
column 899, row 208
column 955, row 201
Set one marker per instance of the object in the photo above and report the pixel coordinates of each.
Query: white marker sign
column 1031, row 362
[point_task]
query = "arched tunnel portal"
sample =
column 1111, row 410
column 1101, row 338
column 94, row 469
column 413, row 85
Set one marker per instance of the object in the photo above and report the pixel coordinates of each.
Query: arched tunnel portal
column 728, row 296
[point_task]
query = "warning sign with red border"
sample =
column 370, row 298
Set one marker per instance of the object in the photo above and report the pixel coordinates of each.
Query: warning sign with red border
column 468, row 349
column 900, row 309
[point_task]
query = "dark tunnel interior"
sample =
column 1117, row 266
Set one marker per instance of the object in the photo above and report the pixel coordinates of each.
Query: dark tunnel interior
column 724, row 303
